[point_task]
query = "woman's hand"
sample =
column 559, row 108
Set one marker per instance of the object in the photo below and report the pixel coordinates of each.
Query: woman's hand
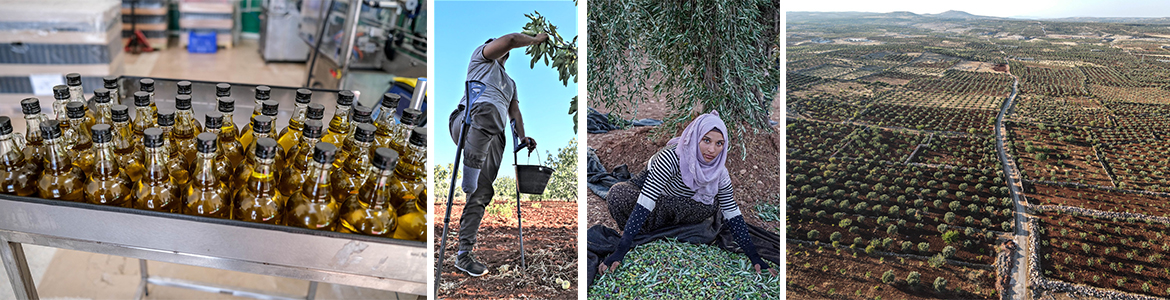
column 602, row 268
column 770, row 270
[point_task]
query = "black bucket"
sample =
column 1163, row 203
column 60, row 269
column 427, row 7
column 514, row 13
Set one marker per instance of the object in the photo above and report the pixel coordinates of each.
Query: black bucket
column 532, row 179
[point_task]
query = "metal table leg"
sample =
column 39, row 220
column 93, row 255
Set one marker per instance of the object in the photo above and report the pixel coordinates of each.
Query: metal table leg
column 312, row 291
column 17, row 268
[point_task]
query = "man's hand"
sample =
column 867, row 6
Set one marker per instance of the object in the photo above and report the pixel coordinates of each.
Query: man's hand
column 770, row 270
column 541, row 38
column 528, row 142
column 616, row 260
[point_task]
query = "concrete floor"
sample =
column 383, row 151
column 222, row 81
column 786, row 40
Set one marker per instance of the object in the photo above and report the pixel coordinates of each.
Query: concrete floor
column 67, row 274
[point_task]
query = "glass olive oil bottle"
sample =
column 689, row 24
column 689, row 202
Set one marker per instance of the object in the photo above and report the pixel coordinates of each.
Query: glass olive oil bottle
column 16, row 175
column 60, row 100
column 369, row 211
column 60, row 179
column 130, row 157
column 227, row 106
column 158, row 190
column 206, row 195
column 356, row 165
column 257, row 199
column 296, row 174
column 314, row 207
column 111, row 84
column 233, row 150
column 107, row 183
column 410, row 175
column 176, row 161
column 143, row 117
column 224, row 167
column 289, row 136
column 101, row 106
column 34, row 140
column 80, row 137
column 399, row 134
column 186, row 128
column 340, row 125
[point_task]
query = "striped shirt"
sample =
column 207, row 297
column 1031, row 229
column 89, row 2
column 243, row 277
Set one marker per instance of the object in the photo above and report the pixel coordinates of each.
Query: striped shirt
column 666, row 179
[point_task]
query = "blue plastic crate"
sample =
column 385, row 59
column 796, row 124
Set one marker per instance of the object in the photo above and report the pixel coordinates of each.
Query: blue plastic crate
column 202, row 42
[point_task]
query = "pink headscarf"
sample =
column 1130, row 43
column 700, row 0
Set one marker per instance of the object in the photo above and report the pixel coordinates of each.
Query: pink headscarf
column 700, row 176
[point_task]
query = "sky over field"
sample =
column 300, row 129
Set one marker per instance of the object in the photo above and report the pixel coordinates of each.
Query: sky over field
column 998, row 8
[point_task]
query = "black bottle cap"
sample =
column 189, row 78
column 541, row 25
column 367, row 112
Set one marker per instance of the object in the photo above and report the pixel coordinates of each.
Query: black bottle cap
column 110, row 82
column 75, row 110
column 227, row 104
column 120, row 113
column 345, row 98
column 141, row 99
column 362, row 114
column 60, row 92
column 314, row 129
column 51, row 129
column 205, row 142
column 5, row 125
column 152, row 137
column 184, row 87
column 183, row 102
column 166, row 117
column 419, row 137
column 364, row 132
column 263, row 92
column 146, row 85
column 214, row 120
column 269, row 108
column 265, row 148
column 261, row 124
column 101, row 95
column 324, row 153
column 223, row 90
column 315, row 112
column 385, row 159
column 30, row 106
column 304, row 96
column 73, row 79
column 101, row 133
column 390, row 100
column 410, row 116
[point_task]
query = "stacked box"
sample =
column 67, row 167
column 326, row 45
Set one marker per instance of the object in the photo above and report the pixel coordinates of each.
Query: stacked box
column 44, row 38
column 208, row 15
column 151, row 17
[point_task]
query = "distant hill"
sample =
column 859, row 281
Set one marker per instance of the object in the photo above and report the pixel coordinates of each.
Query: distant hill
column 950, row 14
column 1112, row 20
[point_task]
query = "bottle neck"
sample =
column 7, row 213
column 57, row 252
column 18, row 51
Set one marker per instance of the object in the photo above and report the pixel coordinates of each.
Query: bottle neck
column 104, row 114
column 386, row 119
column 298, row 118
column 33, row 124
column 122, row 133
column 156, row 165
column 105, row 162
column 144, row 117
column 76, row 94
column 184, row 123
column 82, row 137
column 379, row 180
column 319, row 174
column 57, row 159
column 359, row 157
column 262, row 173
column 305, row 152
column 10, row 154
column 205, row 170
column 341, row 116
column 412, row 164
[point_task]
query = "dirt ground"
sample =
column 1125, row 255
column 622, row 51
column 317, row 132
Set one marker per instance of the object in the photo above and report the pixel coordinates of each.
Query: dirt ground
column 754, row 161
column 550, row 241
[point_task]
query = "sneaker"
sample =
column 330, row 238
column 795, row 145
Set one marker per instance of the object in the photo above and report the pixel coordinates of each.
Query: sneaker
column 467, row 263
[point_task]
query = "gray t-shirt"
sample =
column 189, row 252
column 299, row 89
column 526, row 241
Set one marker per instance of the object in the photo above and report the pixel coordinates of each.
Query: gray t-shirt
column 501, row 89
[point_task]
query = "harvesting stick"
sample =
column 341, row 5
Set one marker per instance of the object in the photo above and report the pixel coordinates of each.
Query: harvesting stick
column 472, row 89
column 516, row 165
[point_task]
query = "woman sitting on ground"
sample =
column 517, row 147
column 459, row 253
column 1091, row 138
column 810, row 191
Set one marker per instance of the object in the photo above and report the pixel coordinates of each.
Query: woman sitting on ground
column 684, row 183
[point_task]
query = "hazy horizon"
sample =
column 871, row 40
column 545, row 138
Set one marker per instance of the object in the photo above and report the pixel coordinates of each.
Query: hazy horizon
column 1042, row 9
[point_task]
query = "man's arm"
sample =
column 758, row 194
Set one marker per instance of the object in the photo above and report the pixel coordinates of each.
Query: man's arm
column 498, row 47
column 514, row 114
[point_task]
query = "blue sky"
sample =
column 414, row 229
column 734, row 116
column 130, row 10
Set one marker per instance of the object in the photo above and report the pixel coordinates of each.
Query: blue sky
column 460, row 27
column 998, row 8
